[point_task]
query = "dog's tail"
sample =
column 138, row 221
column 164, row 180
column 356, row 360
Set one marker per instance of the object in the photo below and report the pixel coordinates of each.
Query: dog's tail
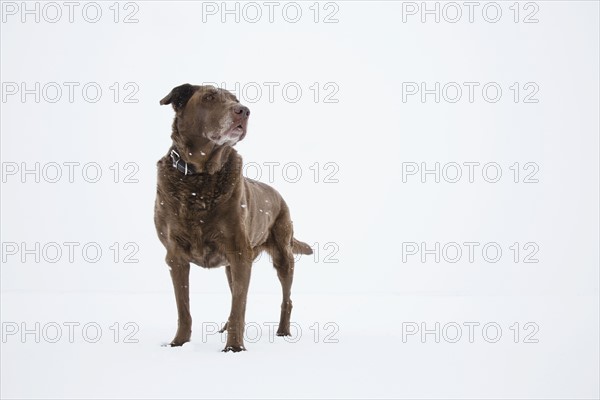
column 299, row 247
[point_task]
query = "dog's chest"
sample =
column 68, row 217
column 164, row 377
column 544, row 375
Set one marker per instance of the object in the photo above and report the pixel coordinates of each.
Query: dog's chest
column 192, row 216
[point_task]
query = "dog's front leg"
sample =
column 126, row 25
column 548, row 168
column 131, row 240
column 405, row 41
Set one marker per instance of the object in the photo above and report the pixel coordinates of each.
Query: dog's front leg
column 180, row 275
column 230, row 282
column 240, row 277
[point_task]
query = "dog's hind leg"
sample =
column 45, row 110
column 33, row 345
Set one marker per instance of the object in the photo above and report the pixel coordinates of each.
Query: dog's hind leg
column 285, row 272
column 283, row 260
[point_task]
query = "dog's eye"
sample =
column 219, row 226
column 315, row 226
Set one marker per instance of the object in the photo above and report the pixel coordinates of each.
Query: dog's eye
column 209, row 97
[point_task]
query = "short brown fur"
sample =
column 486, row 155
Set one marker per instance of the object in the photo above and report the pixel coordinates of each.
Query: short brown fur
column 215, row 216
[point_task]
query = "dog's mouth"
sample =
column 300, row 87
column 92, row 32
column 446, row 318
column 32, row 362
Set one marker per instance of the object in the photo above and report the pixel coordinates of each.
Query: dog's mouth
column 235, row 130
column 233, row 134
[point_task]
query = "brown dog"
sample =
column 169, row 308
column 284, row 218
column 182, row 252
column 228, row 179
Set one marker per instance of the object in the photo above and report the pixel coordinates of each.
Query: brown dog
column 208, row 214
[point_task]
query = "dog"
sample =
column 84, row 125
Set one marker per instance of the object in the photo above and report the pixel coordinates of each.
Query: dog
column 207, row 213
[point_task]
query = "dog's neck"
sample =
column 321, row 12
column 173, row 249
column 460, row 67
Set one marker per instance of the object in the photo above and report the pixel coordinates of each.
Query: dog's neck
column 209, row 157
column 207, row 190
column 179, row 163
column 214, row 158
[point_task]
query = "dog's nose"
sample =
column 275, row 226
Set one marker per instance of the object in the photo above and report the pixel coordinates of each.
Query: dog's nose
column 242, row 110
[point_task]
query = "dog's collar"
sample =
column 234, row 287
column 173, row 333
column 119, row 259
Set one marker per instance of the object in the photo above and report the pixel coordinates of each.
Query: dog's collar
column 181, row 165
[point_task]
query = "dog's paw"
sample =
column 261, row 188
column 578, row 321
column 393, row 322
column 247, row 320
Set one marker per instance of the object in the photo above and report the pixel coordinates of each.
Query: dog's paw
column 178, row 342
column 224, row 328
column 174, row 344
column 283, row 333
column 235, row 349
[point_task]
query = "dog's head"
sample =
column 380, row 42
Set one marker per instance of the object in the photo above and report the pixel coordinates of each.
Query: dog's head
column 206, row 114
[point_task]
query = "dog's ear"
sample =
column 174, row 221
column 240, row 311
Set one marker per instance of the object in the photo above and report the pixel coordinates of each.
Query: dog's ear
column 179, row 96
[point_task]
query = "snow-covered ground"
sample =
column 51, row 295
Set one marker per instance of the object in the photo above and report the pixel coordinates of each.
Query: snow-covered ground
column 360, row 354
